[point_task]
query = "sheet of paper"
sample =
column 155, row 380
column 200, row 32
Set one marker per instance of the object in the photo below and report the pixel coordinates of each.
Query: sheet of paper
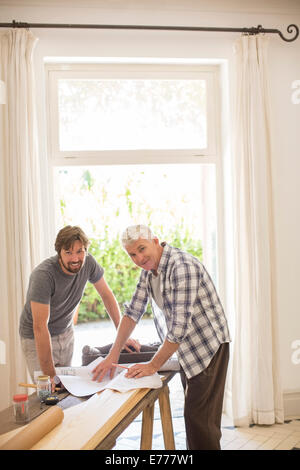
column 170, row 364
column 78, row 380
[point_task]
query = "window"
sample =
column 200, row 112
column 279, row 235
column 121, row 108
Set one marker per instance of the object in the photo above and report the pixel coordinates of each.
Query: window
column 149, row 114
column 131, row 113
column 138, row 114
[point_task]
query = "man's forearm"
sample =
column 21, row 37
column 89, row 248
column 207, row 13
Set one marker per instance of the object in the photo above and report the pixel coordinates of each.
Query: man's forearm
column 109, row 301
column 163, row 354
column 44, row 351
column 113, row 309
column 125, row 329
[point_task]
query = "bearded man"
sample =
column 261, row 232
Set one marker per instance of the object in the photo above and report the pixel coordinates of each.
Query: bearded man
column 55, row 289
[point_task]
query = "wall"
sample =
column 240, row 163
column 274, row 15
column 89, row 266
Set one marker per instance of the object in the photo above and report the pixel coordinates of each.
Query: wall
column 284, row 60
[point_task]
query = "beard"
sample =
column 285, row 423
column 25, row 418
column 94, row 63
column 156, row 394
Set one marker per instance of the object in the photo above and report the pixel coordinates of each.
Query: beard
column 72, row 268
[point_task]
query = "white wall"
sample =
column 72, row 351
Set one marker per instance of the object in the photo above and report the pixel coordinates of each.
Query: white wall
column 284, row 69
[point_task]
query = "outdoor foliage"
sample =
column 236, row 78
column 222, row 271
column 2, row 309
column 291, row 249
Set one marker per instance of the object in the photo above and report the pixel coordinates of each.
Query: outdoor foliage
column 104, row 203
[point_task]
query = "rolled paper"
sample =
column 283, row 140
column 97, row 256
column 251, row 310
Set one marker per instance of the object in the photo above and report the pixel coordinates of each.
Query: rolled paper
column 35, row 430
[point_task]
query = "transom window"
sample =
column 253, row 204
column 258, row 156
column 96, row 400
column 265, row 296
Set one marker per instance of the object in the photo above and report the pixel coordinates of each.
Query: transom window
column 132, row 113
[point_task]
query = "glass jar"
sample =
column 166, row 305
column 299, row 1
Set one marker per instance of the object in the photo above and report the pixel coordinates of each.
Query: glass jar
column 43, row 387
column 21, row 408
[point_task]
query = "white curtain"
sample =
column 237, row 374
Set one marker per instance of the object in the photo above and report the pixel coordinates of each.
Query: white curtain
column 20, row 215
column 256, row 388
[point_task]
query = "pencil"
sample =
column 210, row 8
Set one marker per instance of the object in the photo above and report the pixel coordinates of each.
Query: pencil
column 119, row 365
column 34, row 386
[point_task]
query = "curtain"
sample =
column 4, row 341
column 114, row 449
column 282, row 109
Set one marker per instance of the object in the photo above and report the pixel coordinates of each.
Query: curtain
column 256, row 386
column 20, row 215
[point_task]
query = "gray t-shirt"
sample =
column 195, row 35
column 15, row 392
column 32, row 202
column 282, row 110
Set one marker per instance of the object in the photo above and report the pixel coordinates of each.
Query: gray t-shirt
column 48, row 284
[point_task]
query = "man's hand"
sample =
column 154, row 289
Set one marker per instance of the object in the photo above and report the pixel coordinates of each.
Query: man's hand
column 140, row 370
column 53, row 384
column 124, row 331
column 104, row 367
column 134, row 343
column 160, row 357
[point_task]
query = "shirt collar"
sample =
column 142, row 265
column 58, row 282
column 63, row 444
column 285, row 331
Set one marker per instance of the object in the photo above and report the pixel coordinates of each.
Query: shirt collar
column 164, row 258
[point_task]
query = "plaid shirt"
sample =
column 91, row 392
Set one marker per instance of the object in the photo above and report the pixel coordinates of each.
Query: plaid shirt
column 192, row 312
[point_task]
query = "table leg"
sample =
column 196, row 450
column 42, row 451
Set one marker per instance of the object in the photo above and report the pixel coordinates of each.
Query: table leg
column 166, row 418
column 147, row 427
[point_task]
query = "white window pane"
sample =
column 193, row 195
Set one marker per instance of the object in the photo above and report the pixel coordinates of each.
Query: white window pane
column 119, row 114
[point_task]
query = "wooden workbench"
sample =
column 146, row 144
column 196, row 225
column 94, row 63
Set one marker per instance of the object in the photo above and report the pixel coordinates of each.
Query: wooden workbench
column 111, row 425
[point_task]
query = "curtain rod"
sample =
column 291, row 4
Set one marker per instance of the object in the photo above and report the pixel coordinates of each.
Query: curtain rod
column 292, row 28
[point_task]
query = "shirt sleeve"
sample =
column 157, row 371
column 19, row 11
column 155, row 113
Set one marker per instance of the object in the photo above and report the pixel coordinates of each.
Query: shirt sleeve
column 95, row 270
column 185, row 281
column 41, row 287
column 138, row 304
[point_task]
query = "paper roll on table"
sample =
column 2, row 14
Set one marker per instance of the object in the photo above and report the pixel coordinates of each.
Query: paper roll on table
column 35, row 430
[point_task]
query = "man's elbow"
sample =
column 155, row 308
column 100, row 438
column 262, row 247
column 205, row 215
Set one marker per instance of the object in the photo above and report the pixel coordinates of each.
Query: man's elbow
column 40, row 328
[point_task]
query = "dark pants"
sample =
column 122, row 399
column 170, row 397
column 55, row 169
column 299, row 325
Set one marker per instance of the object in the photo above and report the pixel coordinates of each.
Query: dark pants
column 204, row 402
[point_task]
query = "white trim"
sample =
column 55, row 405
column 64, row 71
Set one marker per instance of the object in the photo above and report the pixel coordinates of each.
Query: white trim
column 291, row 404
column 130, row 157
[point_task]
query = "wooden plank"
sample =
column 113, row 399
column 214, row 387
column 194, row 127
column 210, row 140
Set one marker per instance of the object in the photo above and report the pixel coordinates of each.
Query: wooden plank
column 82, row 421
column 115, row 419
column 98, row 421
column 85, row 424
column 166, row 418
column 147, row 427
column 109, row 441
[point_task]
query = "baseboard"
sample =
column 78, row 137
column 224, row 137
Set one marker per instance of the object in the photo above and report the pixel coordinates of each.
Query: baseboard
column 291, row 404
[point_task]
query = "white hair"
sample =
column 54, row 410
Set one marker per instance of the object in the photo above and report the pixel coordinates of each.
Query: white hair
column 134, row 232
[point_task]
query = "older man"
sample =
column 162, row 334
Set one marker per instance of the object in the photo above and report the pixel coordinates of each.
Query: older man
column 55, row 289
column 190, row 321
